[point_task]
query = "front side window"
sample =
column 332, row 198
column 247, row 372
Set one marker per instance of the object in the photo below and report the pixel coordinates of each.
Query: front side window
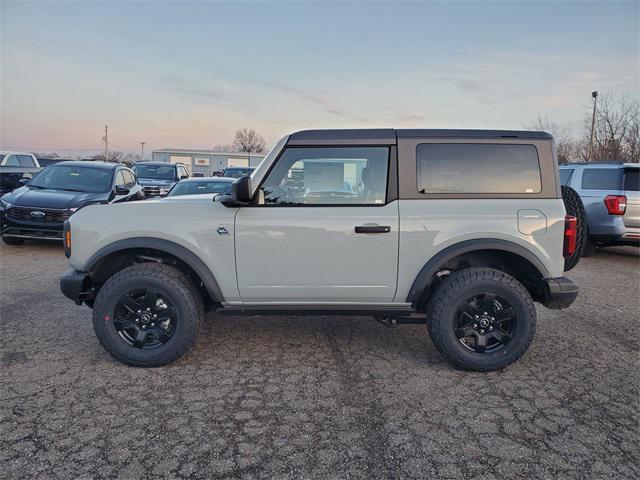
column 328, row 176
column 194, row 188
column 129, row 179
column 470, row 168
column 120, row 179
column 602, row 179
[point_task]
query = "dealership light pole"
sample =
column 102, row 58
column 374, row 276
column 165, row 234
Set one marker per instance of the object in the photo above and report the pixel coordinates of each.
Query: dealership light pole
column 594, row 95
column 142, row 151
column 106, row 143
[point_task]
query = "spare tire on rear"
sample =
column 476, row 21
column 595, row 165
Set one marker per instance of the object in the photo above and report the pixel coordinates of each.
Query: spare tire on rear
column 573, row 205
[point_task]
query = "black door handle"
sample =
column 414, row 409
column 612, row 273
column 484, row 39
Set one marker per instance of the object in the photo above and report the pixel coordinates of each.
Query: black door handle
column 373, row 229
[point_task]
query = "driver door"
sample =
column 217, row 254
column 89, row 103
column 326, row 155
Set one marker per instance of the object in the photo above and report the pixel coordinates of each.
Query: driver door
column 323, row 231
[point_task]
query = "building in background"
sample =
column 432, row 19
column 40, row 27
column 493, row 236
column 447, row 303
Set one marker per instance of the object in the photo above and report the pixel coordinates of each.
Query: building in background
column 206, row 161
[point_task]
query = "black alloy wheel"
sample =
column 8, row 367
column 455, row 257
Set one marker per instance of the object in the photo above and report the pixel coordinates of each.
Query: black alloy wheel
column 144, row 319
column 485, row 323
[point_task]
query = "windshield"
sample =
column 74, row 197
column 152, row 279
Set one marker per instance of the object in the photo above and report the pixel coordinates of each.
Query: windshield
column 159, row 172
column 73, row 178
column 237, row 172
column 191, row 188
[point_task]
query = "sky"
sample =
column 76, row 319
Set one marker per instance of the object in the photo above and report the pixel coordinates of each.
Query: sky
column 188, row 74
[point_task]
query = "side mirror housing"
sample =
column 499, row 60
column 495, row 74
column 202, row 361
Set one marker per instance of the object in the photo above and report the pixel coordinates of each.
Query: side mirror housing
column 120, row 190
column 240, row 193
column 241, row 190
column 184, row 177
column 24, row 181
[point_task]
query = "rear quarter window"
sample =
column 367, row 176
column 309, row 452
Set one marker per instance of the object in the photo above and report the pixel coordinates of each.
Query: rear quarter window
column 602, row 179
column 565, row 175
column 632, row 179
column 477, row 168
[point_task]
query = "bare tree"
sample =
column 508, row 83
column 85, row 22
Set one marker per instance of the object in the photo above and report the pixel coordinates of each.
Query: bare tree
column 223, row 148
column 114, row 156
column 567, row 147
column 616, row 131
column 51, row 155
column 248, row 140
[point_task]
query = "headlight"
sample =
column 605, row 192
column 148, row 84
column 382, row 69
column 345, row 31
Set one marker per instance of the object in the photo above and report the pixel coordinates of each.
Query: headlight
column 75, row 209
column 4, row 204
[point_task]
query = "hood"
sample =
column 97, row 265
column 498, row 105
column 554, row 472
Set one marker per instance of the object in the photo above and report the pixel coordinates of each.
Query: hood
column 155, row 181
column 46, row 198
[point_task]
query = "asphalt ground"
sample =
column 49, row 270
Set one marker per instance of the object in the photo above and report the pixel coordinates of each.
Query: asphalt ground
column 318, row 397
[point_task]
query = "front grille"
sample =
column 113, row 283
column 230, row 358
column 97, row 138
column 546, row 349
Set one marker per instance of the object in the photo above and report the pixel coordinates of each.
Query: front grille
column 151, row 190
column 50, row 216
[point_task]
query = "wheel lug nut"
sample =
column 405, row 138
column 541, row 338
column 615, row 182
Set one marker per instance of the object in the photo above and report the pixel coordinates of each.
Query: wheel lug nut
column 475, row 325
column 149, row 308
column 139, row 311
column 490, row 328
column 482, row 332
column 484, row 313
column 155, row 316
column 153, row 324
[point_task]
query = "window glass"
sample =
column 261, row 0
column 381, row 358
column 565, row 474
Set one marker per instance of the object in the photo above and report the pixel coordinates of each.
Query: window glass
column 477, row 168
column 129, row 179
column 26, row 161
column 156, row 172
column 192, row 188
column 12, row 161
column 632, row 179
column 328, row 176
column 76, row 179
column 565, row 175
column 120, row 179
column 602, row 179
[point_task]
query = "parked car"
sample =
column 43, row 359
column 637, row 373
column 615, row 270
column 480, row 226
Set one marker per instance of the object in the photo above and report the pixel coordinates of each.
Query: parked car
column 237, row 172
column 610, row 193
column 197, row 185
column 15, row 168
column 38, row 209
column 157, row 178
column 461, row 229
column 198, row 174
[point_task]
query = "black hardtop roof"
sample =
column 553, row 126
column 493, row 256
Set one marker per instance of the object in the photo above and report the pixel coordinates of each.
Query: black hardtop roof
column 88, row 164
column 387, row 136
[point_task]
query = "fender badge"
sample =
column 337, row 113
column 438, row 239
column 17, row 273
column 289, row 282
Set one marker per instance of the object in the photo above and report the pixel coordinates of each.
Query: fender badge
column 222, row 231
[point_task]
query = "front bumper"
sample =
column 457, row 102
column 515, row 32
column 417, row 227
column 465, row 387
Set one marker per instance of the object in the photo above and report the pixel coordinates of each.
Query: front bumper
column 559, row 293
column 75, row 286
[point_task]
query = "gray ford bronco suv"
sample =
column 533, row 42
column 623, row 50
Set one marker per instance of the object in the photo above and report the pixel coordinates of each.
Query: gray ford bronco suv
column 461, row 229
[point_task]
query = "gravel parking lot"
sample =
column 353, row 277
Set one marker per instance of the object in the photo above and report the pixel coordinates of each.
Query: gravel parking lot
column 318, row 397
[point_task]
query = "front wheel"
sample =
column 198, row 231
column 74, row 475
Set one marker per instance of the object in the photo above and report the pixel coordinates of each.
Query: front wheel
column 13, row 240
column 147, row 315
column 481, row 319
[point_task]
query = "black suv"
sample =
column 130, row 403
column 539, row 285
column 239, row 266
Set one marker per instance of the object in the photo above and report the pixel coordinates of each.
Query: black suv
column 157, row 178
column 39, row 209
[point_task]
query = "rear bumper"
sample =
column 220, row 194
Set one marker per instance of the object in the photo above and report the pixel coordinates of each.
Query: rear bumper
column 559, row 293
column 74, row 285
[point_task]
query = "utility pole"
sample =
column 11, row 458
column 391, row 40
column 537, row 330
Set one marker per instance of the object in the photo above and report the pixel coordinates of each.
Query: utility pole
column 594, row 95
column 105, row 139
column 142, row 151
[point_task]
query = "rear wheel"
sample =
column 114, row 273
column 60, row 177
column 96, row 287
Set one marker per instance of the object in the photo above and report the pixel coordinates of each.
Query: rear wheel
column 481, row 319
column 147, row 315
column 13, row 240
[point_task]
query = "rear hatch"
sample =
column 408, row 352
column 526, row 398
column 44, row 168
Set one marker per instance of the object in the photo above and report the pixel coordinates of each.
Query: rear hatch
column 631, row 216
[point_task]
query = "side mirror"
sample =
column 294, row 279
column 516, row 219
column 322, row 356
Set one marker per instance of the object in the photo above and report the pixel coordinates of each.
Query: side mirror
column 241, row 190
column 121, row 190
column 184, row 177
column 24, row 181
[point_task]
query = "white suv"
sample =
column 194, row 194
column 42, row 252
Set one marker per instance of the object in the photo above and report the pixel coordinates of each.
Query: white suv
column 463, row 229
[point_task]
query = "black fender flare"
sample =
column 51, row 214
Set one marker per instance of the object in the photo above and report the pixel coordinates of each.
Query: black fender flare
column 166, row 246
column 425, row 276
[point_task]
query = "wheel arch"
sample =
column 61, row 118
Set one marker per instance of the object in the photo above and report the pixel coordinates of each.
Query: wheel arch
column 503, row 255
column 122, row 253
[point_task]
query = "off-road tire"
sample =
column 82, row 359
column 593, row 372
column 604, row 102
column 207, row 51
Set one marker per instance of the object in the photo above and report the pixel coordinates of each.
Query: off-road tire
column 13, row 240
column 574, row 206
column 171, row 283
column 443, row 313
